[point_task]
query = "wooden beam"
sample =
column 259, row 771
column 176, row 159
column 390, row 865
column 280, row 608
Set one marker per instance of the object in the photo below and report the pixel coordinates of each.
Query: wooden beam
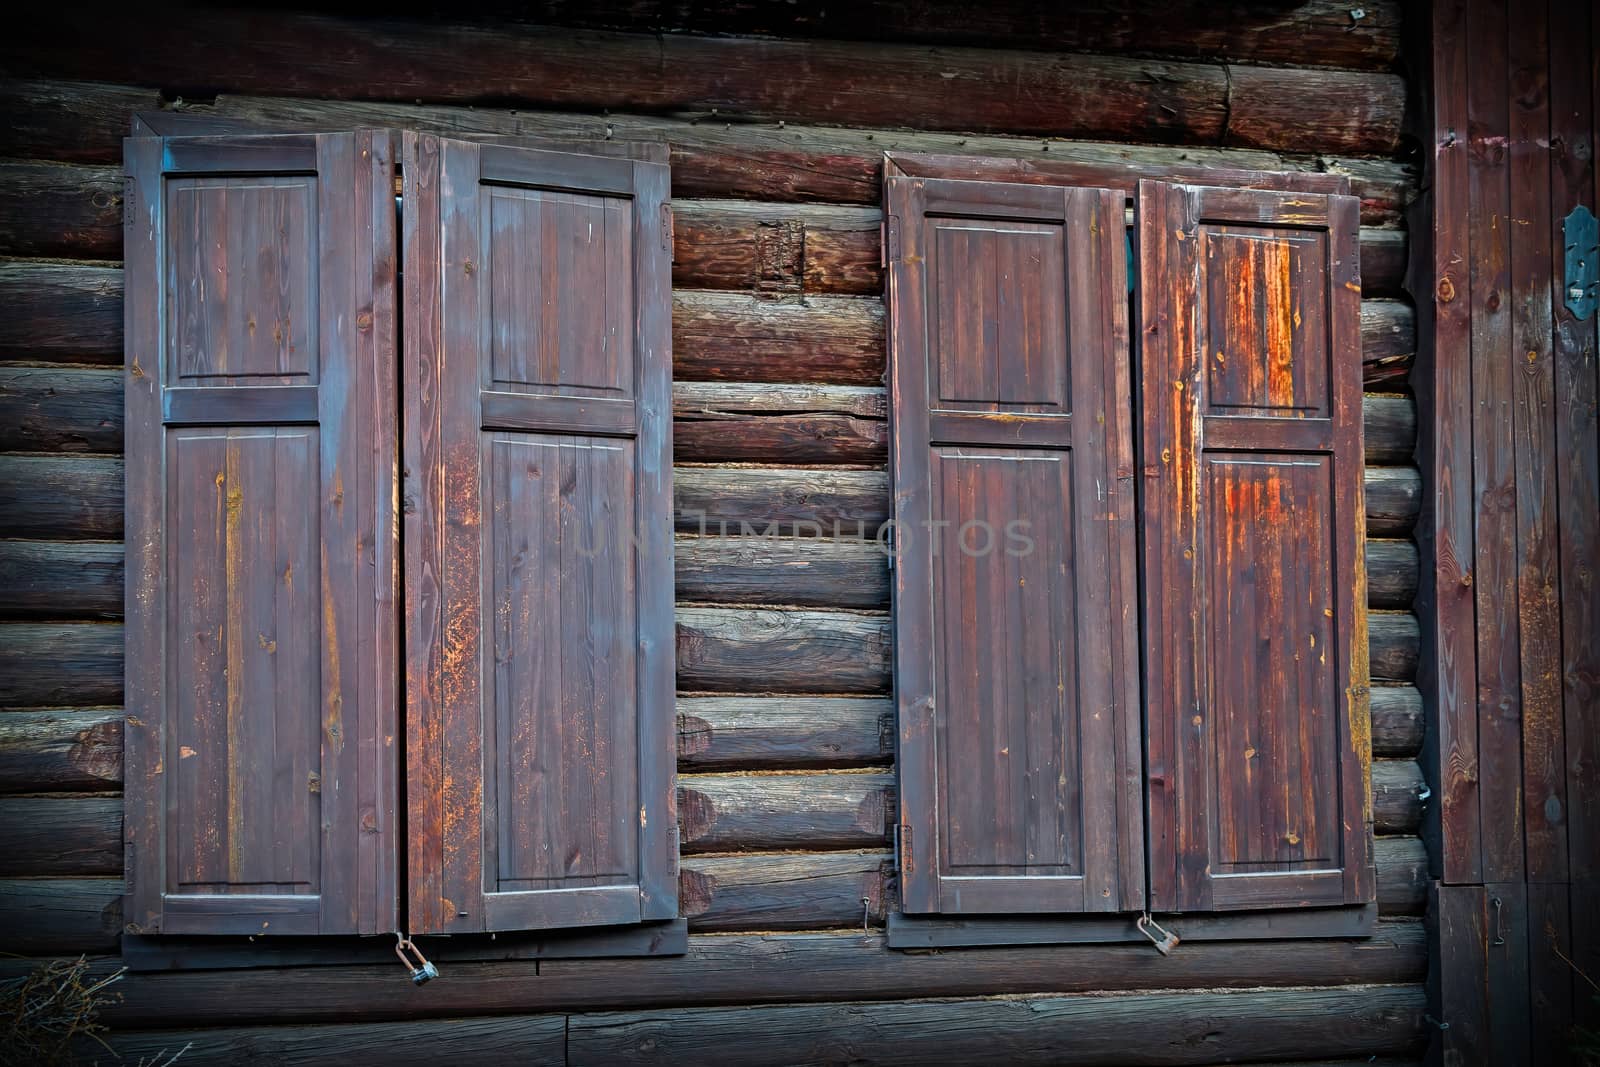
column 68, row 313
column 50, row 665
column 61, row 751
column 57, row 836
column 79, row 122
column 773, row 733
column 1391, row 573
column 785, row 890
column 60, row 409
column 831, row 82
column 61, row 579
column 77, row 497
column 52, row 209
column 742, row 338
column 794, row 651
column 1397, row 724
column 1388, row 342
column 520, row 1039
column 1169, row 1028
column 1393, row 496
column 1402, row 864
column 842, row 502
column 809, row 810
column 1393, row 639
column 1397, row 789
column 45, row 916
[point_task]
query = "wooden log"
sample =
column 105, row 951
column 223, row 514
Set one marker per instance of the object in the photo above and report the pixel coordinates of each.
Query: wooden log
column 1391, row 573
column 1383, row 261
column 1317, row 32
column 831, row 82
column 1388, row 342
column 61, row 751
column 56, row 836
column 1397, row 724
column 1166, row 1028
column 1397, row 788
column 802, row 571
column 736, row 337
column 62, row 312
column 60, row 409
column 61, row 579
column 1402, row 864
column 720, row 422
column 784, row 891
column 1393, row 498
column 46, row 916
column 774, row 733
column 790, row 810
column 532, row 1039
column 791, row 651
column 77, row 497
column 1393, row 639
column 1390, row 424
column 48, row 665
column 81, row 122
column 51, row 209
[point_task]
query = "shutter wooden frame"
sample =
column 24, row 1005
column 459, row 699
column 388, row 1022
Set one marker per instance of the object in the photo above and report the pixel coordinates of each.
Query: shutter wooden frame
column 446, row 411
column 346, row 385
column 1180, row 430
column 1098, row 427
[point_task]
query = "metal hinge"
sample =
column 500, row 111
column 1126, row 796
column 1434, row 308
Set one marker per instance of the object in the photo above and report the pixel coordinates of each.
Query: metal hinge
column 903, row 858
column 130, row 197
column 667, row 234
column 889, row 240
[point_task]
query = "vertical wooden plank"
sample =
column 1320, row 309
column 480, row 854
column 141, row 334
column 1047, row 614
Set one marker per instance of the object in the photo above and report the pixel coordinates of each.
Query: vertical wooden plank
column 1551, row 980
column 1442, row 382
column 1458, row 976
column 1506, row 930
column 423, row 508
column 1533, row 415
column 1575, row 128
column 1493, row 445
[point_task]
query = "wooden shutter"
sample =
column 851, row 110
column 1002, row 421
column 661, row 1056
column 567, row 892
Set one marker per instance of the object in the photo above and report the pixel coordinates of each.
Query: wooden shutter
column 1016, row 672
column 261, row 539
column 1253, row 519
column 539, row 596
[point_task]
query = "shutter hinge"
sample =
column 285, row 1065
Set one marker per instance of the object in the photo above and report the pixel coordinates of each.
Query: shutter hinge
column 903, row 857
column 667, row 234
column 889, row 240
column 130, row 198
column 886, row 542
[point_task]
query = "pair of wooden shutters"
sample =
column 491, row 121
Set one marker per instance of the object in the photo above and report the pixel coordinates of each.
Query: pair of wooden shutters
column 1030, row 780
column 396, row 533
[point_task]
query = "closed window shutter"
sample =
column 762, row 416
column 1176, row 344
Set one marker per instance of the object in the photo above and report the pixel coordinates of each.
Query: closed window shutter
column 261, row 456
column 539, row 596
column 1016, row 668
column 1255, row 588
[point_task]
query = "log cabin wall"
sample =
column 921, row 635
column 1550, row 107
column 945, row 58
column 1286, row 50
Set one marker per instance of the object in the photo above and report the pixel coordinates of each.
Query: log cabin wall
column 785, row 731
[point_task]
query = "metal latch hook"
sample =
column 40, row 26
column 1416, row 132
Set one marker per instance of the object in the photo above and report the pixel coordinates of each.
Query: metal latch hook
column 422, row 972
column 1164, row 940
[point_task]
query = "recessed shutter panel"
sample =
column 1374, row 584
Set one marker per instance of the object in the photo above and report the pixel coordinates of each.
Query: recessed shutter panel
column 261, row 487
column 540, row 745
column 1255, row 618
column 1015, row 664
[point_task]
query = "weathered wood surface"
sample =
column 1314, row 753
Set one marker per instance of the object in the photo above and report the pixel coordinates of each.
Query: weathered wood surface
column 45, row 665
column 1319, row 32
column 62, row 120
column 52, row 209
column 773, row 733
column 1402, row 864
column 60, row 836
column 61, row 579
column 771, row 812
column 1168, row 1028
column 62, row 312
column 1393, row 497
column 850, row 83
column 61, row 750
column 43, row 916
column 77, row 498
column 784, row 890
column 1397, row 723
column 1392, row 638
column 718, row 499
column 60, row 409
column 1397, row 789
column 796, row 651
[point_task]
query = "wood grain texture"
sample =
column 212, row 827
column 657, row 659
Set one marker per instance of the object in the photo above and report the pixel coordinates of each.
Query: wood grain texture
column 785, row 890
column 736, row 337
column 45, row 665
column 61, row 579
column 50, row 916
column 60, row 409
column 71, row 121
column 61, row 751
column 770, row 733
column 1175, row 1028
column 49, row 209
column 61, row 312
column 60, row 836
column 774, row 812
column 867, row 84
column 792, row 651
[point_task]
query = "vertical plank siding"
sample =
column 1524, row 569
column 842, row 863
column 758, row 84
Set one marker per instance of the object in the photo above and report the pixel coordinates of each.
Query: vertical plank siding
column 785, row 730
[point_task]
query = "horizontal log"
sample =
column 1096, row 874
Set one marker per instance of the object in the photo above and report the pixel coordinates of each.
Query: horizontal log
column 60, row 497
column 830, row 82
column 721, row 422
column 802, row 571
column 60, row 409
column 1402, row 864
column 1388, row 342
column 532, row 1039
column 741, row 338
column 69, row 313
column 793, row 651
column 50, row 665
column 61, row 751
column 1166, row 1028
column 45, row 916
column 794, row 501
column 1390, row 424
column 772, row 733
column 1397, row 724
column 1315, row 32
column 1391, row 573
column 768, row 812
column 82, row 122
column 1394, row 641
column 1397, row 789
column 1383, row 261
column 56, row 836
column 52, row 209
column 784, row 891
column 1393, row 499
column 61, row 579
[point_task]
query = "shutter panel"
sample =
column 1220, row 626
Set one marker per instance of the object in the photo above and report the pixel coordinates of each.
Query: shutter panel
column 1256, row 650
column 538, row 539
column 1016, row 672
column 261, row 454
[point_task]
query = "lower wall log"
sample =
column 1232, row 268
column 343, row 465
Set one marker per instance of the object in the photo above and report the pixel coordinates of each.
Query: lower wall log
column 47, row 916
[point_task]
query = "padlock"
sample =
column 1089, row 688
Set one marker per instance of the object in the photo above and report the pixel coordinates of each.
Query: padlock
column 422, row 972
column 1164, row 940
